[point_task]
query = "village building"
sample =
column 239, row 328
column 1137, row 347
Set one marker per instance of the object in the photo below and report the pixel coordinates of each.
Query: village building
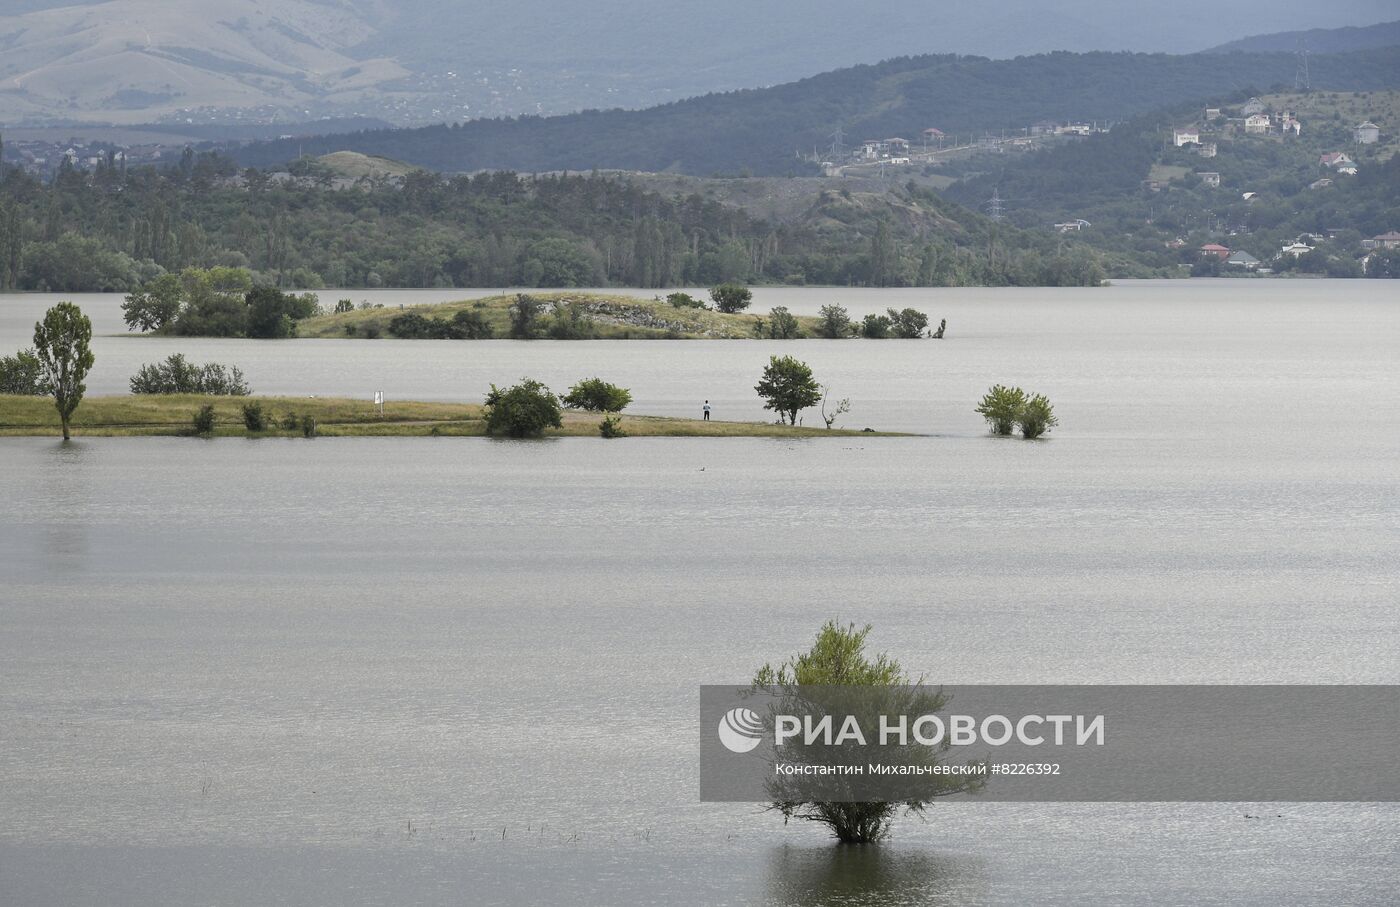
column 1212, row 113
column 1258, row 124
column 1251, row 107
column 1335, row 159
column 1188, row 136
column 1215, row 250
column 1347, row 170
column 1206, row 149
column 1289, row 123
column 1073, row 226
column 1242, row 259
column 1367, row 133
column 1389, row 240
column 935, row 136
column 1210, row 179
column 1320, row 184
column 1294, row 250
column 1043, row 128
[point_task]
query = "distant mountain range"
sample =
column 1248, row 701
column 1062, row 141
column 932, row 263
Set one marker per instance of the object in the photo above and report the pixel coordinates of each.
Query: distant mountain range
column 423, row 61
column 761, row 131
column 1319, row 40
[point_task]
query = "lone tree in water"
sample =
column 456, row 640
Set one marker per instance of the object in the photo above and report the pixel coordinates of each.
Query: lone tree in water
column 837, row 662
column 788, row 387
column 62, row 342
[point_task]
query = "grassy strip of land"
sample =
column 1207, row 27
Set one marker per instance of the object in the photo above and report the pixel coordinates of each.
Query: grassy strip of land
column 608, row 317
column 172, row 415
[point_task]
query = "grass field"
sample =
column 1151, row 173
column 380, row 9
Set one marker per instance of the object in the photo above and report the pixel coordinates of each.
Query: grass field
column 611, row 317
column 162, row 415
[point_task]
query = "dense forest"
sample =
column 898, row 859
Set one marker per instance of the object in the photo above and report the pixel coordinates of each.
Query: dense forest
column 1140, row 229
column 116, row 230
column 759, row 131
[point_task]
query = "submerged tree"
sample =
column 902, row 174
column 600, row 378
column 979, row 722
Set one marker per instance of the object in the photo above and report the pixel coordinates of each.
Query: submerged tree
column 837, row 670
column 62, row 343
column 1001, row 407
column 1037, row 417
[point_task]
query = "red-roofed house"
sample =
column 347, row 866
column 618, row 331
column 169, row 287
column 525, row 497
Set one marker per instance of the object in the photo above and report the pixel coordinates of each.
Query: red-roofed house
column 1335, row 159
column 1214, row 250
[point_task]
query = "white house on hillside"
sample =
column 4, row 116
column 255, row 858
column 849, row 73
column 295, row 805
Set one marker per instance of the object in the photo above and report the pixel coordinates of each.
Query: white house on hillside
column 1368, row 133
column 1258, row 124
column 1188, row 136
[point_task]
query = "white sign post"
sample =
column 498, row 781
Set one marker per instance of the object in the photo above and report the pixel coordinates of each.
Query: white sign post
column 379, row 401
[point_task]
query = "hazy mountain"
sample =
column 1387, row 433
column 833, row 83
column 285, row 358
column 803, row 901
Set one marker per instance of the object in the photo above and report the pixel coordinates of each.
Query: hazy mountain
column 760, row 130
column 1320, row 40
column 416, row 61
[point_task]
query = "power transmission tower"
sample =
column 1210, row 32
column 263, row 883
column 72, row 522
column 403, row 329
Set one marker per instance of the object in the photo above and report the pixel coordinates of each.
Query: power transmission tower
column 1302, row 80
column 836, row 140
column 994, row 205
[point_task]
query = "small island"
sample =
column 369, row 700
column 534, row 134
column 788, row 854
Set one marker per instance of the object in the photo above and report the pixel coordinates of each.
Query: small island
column 143, row 415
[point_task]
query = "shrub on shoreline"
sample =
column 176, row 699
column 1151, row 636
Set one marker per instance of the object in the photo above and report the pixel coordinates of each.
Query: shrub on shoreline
column 177, row 375
column 522, row 411
column 597, row 395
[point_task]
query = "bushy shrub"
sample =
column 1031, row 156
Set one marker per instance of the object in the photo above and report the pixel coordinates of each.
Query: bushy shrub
column 731, row 297
column 1037, row 417
column 253, row 418
column 611, row 427
column 835, row 322
column 204, row 420
column 571, row 323
column 472, row 325
column 177, row 375
column 782, row 325
column 876, row 327
column 1005, row 408
column 907, row 323
column 525, row 314
column 685, row 301
column 522, row 411
column 1001, row 407
column 344, row 305
column 597, row 395
column 290, row 422
column 22, row 374
column 308, row 427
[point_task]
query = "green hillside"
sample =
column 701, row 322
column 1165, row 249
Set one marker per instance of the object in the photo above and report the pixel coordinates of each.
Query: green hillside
column 1150, row 208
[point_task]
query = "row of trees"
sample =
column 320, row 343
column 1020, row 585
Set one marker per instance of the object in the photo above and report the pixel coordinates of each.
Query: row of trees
column 216, row 302
column 115, row 231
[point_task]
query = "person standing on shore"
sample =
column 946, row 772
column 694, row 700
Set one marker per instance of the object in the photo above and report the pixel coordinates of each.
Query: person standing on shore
column 706, row 410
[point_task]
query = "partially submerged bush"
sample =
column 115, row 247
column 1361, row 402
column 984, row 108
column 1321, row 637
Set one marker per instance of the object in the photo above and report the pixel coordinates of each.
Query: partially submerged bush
column 597, row 395
column 1037, row 417
column 177, row 375
column 611, row 427
column 1001, row 406
column 522, row 411
column 1005, row 408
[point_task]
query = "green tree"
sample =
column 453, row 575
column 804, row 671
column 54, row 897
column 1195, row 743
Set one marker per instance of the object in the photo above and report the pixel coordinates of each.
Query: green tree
column 597, row 395
column 908, row 323
column 22, row 374
column 782, row 325
column 62, row 341
column 837, row 662
column 835, row 322
column 876, row 327
column 685, row 301
column 203, row 420
column 155, row 305
column 1037, row 417
column 731, row 297
column 1001, row 407
column 525, row 316
column 522, row 411
column 787, row 387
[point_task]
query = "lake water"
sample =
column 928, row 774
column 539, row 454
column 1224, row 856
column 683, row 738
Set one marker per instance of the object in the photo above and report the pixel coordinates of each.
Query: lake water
column 465, row 671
